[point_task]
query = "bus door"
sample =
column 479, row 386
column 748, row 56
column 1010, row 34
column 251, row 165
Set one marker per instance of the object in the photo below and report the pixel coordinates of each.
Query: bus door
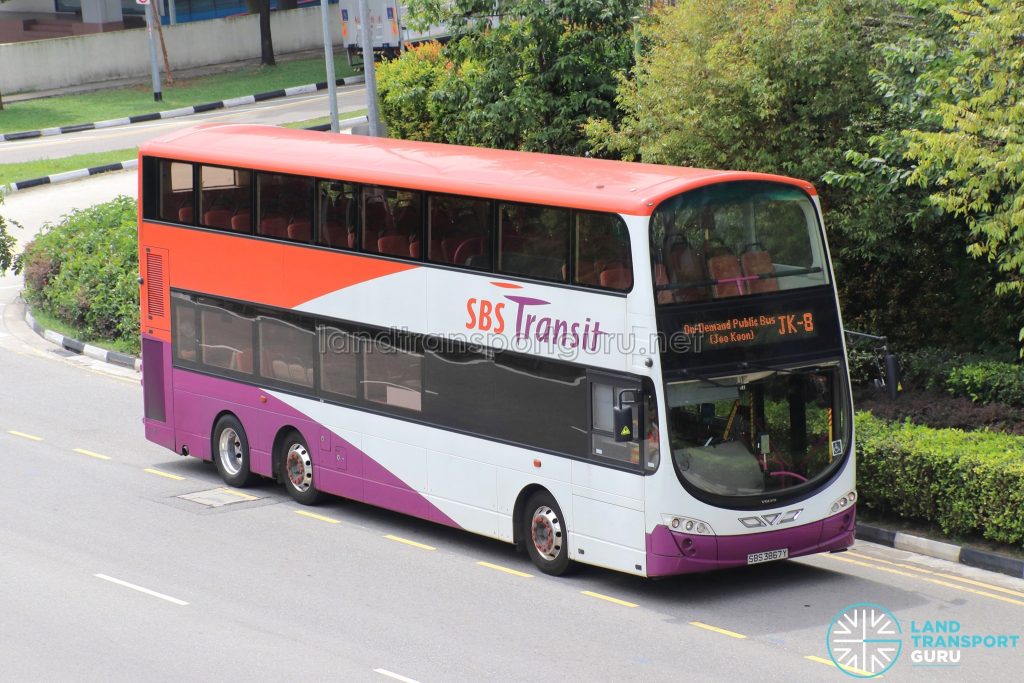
column 608, row 486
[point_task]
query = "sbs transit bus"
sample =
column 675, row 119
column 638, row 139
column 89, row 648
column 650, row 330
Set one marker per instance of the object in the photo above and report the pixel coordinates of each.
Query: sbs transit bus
column 633, row 366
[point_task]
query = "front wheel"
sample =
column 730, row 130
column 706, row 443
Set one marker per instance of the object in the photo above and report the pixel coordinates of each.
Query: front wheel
column 546, row 534
column 231, row 451
column 297, row 468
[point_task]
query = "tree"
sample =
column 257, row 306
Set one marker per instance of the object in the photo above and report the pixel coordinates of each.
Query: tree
column 266, row 40
column 527, row 78
column 972, row 155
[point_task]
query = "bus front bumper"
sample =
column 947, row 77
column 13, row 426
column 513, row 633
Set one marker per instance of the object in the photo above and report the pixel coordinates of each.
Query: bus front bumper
column 670, row 552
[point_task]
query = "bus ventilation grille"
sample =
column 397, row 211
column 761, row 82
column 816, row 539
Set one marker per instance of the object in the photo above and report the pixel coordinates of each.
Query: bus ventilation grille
column 155, row 285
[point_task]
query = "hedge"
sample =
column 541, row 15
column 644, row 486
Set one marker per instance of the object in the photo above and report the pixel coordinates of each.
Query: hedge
column 991, row 382
column 966, row 482
column 84, row 271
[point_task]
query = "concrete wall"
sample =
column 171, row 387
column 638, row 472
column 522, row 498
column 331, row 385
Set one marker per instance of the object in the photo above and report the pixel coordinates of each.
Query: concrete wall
column 60, row 62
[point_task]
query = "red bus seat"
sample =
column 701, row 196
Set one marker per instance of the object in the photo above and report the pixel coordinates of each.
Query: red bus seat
column 759, row 262
column 393, row 245
column 618, row 276
column 185, row 214
column 241, row 222
column 300, row 230
column 724, row 267
column 218, row 218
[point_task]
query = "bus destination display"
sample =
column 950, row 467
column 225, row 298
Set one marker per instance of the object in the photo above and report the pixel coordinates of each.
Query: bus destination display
column 748, row 330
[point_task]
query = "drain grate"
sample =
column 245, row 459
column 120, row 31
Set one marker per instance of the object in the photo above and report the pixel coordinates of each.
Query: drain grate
column 215, row 498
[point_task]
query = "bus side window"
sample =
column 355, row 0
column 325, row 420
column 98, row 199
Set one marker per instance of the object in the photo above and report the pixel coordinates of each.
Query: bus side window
column 603, row 256
column 459, row 230
column 176, row 196
column 338, row 214
column 533, row 241
column 225, row 199
column 285, row 205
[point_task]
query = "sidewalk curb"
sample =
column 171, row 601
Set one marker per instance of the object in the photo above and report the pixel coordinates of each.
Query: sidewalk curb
column 69, row 175
column 972, row 557
column 66, row 176
column 182, row 111
column 113, row 357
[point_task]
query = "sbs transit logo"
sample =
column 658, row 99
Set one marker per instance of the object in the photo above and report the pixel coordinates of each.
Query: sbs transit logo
column 864, row 640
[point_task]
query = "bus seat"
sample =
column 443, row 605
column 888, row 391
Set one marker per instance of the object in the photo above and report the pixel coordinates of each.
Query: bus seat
column 274, row 226
column 415, row 249
column 617, row 276
column 218, row 218
column 686, row 267
column 756, row 261
column 468, row 248
column 297, row 373
column 725, row 267
column 333, row 234
column 241, row 222
column 280, row 369
column 185, row 214
column 661, row 278
column 587, row 273
column 241, row 361
column 299, row 230
column 393, row 245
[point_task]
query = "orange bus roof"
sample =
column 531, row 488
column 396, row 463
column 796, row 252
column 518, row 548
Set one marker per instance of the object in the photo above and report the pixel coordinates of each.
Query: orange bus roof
column 576, row 182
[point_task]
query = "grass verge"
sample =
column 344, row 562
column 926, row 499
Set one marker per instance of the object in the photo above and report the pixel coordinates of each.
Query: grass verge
column 51, row 323
column 26, row 170
column 112, row 104
column 308, row 123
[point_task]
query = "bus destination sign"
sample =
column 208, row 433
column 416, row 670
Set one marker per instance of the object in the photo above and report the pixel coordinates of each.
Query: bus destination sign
column 763, row 328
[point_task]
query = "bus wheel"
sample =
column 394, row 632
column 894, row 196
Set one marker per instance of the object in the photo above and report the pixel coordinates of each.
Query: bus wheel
column 297, row 468
column 545, row 531
column 231, row 451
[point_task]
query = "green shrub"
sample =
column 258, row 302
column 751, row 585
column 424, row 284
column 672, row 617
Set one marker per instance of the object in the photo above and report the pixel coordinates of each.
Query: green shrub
column 989, row 382
column 8, row 259
column 966, row 482
column 405, row 86
column 84, row 271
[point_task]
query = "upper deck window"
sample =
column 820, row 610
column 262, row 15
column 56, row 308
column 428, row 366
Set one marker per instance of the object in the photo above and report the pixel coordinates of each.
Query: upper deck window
column 533, row 241
column 460, row 231
column 603, row 257
column 392, row 220
column 285, row 207
column 225, row 198
column 735, row 239
column 176, row 197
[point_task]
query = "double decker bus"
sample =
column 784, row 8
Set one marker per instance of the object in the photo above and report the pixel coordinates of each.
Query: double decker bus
column 633, row 366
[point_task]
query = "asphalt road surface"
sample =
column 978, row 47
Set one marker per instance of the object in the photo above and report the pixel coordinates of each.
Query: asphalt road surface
column 120, row 560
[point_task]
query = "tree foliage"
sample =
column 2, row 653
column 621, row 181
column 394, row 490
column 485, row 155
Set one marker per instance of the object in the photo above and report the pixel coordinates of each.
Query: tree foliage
column 790, row 86
column 8, row 259
column 527, row 79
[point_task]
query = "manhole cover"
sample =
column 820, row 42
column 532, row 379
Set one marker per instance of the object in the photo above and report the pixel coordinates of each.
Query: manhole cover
column 215, row 498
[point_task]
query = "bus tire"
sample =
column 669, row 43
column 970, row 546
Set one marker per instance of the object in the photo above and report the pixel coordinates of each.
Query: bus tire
column 546, row 534
column 231, row 451
column 297, row 469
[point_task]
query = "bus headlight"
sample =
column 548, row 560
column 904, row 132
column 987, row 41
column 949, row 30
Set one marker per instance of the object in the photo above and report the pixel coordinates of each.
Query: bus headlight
column 688, row 525
column 844, row 502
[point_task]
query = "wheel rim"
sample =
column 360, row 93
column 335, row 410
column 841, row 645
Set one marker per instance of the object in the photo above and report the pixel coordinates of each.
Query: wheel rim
column 546, row 533
column 298, row 467
column 230, row 449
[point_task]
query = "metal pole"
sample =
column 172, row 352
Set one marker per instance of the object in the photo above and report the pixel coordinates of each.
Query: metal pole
column 332, row 88
column 398, row 23
column 372, row 113
column 172, row 11
column 157, row 94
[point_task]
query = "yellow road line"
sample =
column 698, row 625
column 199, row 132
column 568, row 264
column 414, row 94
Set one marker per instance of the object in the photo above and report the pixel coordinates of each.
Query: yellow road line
column 608, row 598
column 98, row 456
column 24, row 435
column 850, row 669
column 168, row 475
column 946, row 584
column 243, row 496
column 513, row 572
column 724, row 632
column 414, row 544
column 313, row 515
column 954, row 577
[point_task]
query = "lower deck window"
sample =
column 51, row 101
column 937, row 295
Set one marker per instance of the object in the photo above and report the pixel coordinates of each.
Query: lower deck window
column 393, row 376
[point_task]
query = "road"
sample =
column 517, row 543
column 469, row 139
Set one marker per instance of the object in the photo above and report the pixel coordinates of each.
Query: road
column 299, row 108
column 109, row 570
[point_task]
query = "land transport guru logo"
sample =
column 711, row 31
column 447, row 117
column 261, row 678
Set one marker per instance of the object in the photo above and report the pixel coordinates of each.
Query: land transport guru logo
column 865, row 640
column 524, row 317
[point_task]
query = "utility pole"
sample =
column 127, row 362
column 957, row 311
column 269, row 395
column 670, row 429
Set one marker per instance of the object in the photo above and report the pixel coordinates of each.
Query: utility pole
column 154, row 69
column 332, row 88
column 372, row 112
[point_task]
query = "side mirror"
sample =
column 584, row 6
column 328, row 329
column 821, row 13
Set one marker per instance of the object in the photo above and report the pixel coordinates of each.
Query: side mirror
column 892, row 375
column 622, row 415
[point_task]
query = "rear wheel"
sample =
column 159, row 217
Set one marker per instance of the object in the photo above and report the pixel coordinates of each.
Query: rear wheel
column 231, row 451
column 546, row 534
column 297, row 470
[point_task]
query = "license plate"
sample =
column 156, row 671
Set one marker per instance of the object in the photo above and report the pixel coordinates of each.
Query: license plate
column 768, row 556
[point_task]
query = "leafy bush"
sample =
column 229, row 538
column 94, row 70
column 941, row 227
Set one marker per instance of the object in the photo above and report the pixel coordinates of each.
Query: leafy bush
column 966, row 482
column 8, row 259
column 940, row 410
column 84, row 271
column 405, row 86
column 989, row 382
